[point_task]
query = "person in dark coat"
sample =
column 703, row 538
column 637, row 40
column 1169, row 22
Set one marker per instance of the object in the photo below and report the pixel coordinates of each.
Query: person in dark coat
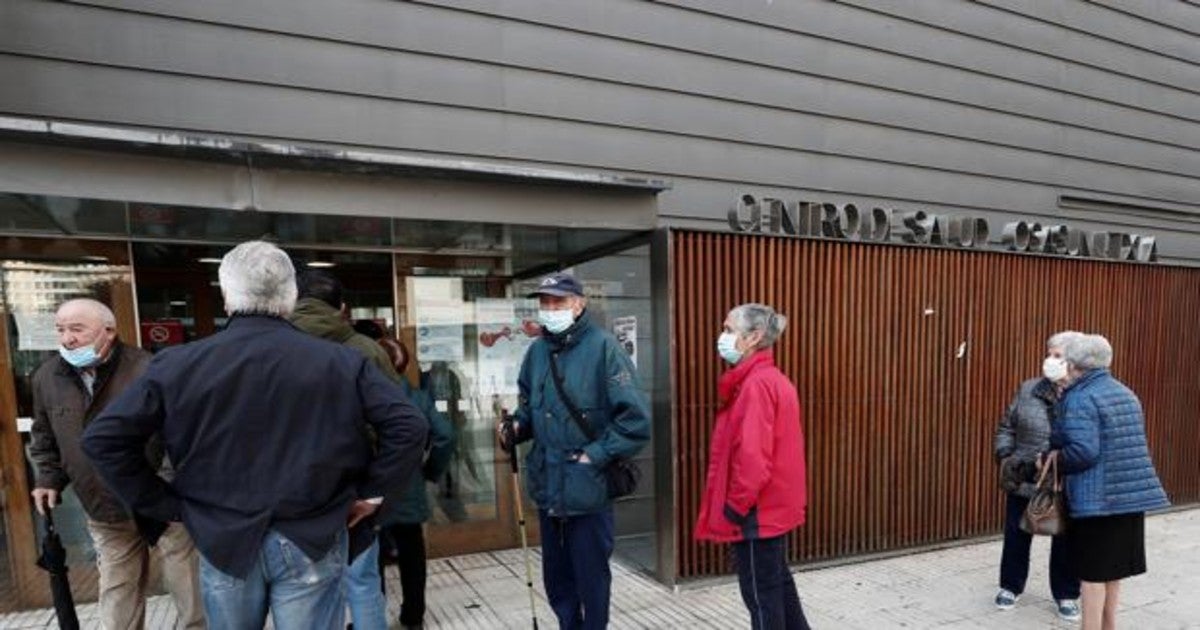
column 402, row 532
column 755, row 491
column 92, row 367
column 320, row 311
column 1100, row 442
column 564, row 470
column 402, row 520
column 267, row 429
column 1022, row 435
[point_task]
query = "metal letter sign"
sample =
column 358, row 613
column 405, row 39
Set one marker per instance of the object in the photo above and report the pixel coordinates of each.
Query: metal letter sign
column 809, row 219
column 745, row 215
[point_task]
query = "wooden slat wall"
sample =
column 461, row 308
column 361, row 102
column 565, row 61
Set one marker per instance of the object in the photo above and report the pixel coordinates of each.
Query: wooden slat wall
column 899, row 426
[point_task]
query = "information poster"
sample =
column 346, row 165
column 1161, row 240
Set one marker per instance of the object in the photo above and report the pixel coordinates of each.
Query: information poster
column 35, row 331
column 439, row 330
column 625, row 330
column 506, row 328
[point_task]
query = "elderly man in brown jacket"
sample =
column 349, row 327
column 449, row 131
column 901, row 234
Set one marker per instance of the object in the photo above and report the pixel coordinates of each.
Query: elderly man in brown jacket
column 93, row 368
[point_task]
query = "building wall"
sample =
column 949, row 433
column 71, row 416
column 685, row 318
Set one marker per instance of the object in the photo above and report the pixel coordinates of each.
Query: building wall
column 998, row 108
column 905, row 360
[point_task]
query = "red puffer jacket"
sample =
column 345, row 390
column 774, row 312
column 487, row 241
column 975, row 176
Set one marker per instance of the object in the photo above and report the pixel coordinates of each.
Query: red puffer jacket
column 755, row 486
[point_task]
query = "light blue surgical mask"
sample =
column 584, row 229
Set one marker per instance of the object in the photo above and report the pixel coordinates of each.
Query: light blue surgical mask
column 557, row 322
column 81, row 357
column 727, row 348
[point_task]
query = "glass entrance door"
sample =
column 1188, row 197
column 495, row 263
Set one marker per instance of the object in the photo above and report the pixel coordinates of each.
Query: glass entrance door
column 36, row 275
column 466, row 335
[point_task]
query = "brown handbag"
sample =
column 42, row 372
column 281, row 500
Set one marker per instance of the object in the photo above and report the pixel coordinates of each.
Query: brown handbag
column 1046, row 514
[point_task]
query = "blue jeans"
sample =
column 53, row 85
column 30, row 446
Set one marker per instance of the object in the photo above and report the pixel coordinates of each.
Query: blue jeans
column 575, row 571
column 768, row 589
column 1014, row 560
column 300, row 593
column 368, row 608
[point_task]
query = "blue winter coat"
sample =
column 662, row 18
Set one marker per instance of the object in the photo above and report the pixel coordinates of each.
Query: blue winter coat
column 1101, row 438
column 600, row 379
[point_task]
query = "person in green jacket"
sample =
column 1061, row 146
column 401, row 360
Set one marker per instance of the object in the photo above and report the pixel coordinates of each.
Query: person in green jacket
column 402, row 536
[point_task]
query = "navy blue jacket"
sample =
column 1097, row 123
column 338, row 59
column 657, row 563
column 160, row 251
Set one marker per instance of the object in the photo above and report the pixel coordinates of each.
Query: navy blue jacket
column 1101, row 439
column 266, row 428
column 600, row 379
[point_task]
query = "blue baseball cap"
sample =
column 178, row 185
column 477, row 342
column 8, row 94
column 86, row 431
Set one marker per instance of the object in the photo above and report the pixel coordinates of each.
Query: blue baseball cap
column 559, row 285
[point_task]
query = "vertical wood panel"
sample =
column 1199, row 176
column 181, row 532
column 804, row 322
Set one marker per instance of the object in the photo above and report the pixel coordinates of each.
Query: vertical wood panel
column 898, row 425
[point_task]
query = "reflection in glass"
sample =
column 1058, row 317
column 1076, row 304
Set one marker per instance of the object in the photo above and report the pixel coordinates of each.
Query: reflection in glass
column 451, row 235
column 178, row 222
column 179, row 296
column 61, row 215
column 619, row 294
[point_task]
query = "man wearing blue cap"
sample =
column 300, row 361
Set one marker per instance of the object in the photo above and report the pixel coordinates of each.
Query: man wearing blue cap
column 580, row 404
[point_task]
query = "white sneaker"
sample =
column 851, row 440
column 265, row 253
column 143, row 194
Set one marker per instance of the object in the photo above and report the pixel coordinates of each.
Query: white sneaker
column 1006, row 599
column 1068, row 610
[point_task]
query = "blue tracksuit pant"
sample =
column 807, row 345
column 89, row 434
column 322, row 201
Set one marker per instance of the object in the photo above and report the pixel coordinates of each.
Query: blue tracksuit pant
column 575, row 570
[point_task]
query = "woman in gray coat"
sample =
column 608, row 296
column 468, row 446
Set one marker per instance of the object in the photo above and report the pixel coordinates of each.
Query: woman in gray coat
column 1023, row 434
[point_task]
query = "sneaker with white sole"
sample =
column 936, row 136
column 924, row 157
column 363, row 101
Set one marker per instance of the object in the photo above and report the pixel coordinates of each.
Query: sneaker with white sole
column 1068, row 609
column 1006, row 599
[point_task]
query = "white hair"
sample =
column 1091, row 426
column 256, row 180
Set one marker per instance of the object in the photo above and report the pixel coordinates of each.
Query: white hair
column 1061, row 339
column 752, row 317
column 96, row 309
column 257, row 277
column 1088, row 352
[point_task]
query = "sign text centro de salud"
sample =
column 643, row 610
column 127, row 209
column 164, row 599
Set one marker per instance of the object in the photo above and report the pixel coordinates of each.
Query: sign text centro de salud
column 879, row 225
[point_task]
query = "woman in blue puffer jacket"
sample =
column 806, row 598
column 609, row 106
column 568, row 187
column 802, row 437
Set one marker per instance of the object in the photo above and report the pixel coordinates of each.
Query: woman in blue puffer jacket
column 1100, row 442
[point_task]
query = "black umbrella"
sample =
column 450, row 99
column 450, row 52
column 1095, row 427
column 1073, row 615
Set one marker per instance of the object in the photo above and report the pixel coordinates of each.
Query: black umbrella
column 54, row 561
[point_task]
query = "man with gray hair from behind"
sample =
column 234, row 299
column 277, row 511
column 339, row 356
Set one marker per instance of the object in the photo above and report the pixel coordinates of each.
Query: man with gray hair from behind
column 1099, row 439
column 266, row 426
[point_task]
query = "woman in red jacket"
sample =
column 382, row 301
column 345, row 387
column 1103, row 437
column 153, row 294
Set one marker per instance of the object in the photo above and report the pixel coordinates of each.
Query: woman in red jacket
column 755, row 488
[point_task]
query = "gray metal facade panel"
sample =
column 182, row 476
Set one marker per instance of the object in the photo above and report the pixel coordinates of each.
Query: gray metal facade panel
column 219, row 106
column 964, row 38
column 1086, row 19
column 999, row 106
column 45, row 169
column 676, row 50
column 397, row 75
column 1080, row 51
column 1181, row 16
column 59, row 89
column 834, row 40
column 691, row 200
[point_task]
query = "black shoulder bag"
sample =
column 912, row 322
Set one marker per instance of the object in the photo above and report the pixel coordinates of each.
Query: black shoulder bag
column 621, row 474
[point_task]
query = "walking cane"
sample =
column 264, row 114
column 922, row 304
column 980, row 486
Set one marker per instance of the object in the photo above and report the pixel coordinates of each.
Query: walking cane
column 516, row 479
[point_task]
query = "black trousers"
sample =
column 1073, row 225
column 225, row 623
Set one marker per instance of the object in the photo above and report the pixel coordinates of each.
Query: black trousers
column 767, row 586
column 1014, row 558
column 403, row 544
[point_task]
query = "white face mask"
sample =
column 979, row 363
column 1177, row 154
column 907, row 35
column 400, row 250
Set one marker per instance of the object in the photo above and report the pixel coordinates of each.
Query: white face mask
column 81, row 357
column 556, row 321
column 727, row 348
column 1054, row 369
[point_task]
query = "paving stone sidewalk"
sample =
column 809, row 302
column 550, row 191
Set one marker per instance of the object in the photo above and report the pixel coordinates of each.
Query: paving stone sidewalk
column 949, row 588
